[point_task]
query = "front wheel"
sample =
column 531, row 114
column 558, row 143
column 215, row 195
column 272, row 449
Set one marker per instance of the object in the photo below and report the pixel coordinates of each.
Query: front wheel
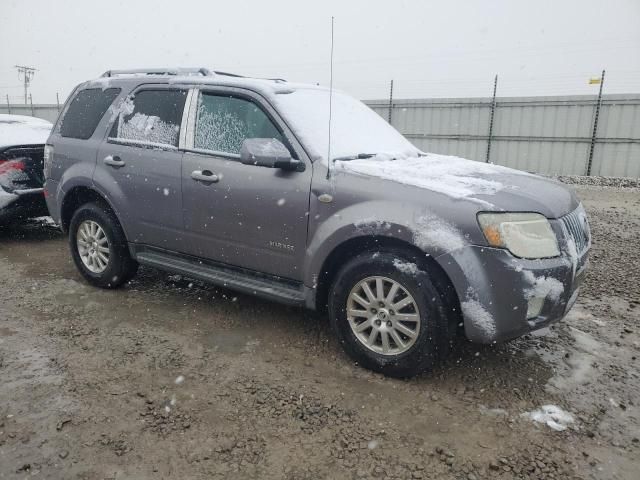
column 388, row 314
column 99, row 247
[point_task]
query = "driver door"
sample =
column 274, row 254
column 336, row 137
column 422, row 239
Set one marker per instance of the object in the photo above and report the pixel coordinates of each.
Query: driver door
column 242, row 215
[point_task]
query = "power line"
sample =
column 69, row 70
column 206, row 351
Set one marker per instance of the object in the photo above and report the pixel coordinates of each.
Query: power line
column 27, row 74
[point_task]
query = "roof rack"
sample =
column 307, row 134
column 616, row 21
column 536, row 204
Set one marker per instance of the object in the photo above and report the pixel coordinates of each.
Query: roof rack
column 160, row 71
column 205, row 72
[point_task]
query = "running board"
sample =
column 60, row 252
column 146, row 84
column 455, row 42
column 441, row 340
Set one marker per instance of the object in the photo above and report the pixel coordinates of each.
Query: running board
column 271, row 288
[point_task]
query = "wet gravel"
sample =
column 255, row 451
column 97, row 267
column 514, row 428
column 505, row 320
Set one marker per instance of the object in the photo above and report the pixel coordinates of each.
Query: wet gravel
column 171, row 378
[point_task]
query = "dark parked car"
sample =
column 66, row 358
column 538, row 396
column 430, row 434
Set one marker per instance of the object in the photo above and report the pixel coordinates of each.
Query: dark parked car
column 22, row 141
column 234, row 181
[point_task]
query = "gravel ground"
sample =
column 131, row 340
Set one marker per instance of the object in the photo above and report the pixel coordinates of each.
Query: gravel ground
column 169, row 378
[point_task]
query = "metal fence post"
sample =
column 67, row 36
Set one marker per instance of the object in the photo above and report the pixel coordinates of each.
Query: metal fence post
column 390, row 102
column 8, row 105
column 595, row 126
column 493, row 111
column 58, row 101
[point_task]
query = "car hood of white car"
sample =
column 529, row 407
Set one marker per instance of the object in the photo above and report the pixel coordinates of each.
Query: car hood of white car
column 16, row 130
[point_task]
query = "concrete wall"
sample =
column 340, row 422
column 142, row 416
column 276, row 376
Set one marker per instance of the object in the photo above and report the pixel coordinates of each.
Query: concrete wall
column 550, row 135
column 48, row 112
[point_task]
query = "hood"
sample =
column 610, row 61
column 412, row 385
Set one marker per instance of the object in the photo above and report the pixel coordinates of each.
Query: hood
column 18, row 130
column 487, row 186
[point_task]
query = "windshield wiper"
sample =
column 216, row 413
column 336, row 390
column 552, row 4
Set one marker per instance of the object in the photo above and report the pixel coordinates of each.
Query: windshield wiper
column 359, row 156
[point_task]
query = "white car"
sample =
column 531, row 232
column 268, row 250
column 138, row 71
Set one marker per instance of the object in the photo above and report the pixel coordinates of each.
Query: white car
column 22, row 142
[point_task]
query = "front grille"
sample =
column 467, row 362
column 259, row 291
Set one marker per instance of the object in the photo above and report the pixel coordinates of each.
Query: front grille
column 577, row 228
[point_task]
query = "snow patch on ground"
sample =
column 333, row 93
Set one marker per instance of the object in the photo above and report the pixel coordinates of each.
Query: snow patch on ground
column 431, row 231
column 406, row 267
column 551, row 415
column 578, row 368
column 493, row 412
column 478, row 315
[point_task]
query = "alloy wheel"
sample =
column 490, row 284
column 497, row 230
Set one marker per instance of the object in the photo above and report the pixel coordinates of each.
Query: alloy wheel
column 93, row 246
column 383, row 315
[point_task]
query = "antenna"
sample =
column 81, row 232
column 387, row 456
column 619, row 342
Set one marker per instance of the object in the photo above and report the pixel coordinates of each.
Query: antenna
column 330, row 99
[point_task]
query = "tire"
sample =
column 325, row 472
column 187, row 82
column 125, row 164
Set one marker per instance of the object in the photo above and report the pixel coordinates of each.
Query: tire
column 430, row 328
column 119, row 267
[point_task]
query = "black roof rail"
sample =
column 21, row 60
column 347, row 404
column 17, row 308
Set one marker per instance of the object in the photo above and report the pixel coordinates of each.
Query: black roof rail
column 159, row 71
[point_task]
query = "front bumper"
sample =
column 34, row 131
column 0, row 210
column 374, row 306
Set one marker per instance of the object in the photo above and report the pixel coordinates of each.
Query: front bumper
column 495, row 289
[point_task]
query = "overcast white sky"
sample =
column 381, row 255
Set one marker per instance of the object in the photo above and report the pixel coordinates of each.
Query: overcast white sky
column 429, row 48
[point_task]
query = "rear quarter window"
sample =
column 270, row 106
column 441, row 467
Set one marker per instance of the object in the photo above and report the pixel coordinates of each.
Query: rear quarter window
column 85, row 111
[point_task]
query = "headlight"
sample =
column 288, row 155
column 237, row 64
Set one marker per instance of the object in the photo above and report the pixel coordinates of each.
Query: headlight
column 526, row 235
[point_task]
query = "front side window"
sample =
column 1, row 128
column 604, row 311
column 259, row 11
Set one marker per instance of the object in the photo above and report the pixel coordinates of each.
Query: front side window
column 224, row 122
column 85, row 111
column 150, row 117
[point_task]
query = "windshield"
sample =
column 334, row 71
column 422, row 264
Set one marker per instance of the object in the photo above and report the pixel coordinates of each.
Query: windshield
column 355, row 128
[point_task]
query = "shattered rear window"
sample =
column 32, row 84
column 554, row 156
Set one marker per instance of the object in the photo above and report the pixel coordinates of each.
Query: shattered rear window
column 151, row 116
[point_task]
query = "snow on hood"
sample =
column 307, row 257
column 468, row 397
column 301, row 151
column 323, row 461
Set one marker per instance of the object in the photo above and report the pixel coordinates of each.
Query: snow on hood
column 453, row 176
column 491, row 187
column 23, row 130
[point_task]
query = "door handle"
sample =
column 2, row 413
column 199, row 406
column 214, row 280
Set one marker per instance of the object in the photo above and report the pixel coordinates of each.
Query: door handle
column 205, row 176
column 114, row 161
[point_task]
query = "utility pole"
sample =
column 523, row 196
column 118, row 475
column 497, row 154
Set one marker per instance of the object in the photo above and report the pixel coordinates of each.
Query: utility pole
column 27, row 74
column 594, row 133
column 390, row 102
column 491, row 115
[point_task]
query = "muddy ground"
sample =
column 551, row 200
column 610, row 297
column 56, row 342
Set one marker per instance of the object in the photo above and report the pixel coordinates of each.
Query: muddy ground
column 169, row 378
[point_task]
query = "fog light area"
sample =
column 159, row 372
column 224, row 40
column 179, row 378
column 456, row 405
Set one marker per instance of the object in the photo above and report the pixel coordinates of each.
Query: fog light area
column 534, row 307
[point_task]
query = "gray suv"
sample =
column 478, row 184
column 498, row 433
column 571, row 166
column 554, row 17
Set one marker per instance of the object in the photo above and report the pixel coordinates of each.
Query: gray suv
column 305, row 196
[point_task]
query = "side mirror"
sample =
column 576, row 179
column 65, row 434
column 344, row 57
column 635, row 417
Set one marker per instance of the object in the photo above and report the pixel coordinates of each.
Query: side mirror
column 267, row 152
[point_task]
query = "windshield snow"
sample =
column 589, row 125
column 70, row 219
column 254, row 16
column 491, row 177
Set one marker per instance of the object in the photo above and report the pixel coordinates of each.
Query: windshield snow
column 355, row 128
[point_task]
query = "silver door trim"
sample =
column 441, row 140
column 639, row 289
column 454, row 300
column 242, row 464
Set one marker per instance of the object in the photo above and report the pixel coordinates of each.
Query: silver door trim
column 188, row 120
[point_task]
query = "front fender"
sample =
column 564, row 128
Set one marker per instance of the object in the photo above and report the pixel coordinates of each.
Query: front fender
column 416, row 226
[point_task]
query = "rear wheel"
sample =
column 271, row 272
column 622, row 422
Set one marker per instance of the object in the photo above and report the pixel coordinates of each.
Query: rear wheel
column 388, row 314
column 99, row 247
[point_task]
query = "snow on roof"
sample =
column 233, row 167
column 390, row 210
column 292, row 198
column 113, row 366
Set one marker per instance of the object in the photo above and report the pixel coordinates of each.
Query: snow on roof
column 23, row 130
column 355, row 128
column 264, row 86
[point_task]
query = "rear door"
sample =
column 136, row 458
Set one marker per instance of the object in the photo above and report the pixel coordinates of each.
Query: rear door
column 252, row 217
column 139, row 166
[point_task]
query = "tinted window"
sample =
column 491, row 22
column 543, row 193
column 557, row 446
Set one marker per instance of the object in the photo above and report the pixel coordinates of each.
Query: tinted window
column 85, row 111
column 223, row 123
column 151, row 116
